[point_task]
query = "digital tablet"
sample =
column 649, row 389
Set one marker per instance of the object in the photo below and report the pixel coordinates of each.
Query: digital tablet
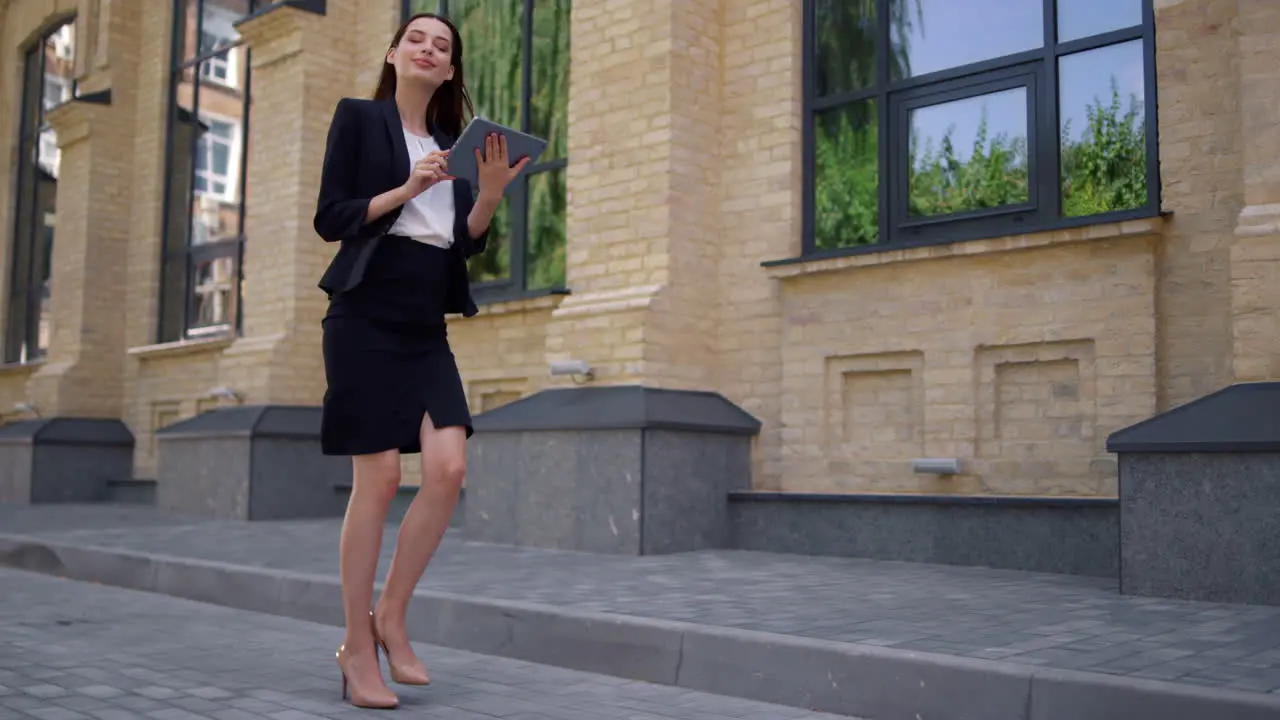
column 462, row 157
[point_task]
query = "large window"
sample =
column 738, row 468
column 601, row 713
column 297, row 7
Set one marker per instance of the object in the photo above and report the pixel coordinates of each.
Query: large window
column 47, row 82
column 207, row 149
column 941, row 120
column 517, row 70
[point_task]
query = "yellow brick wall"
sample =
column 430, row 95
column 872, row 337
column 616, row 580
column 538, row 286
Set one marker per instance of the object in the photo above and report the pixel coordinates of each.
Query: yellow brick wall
column 1198, row 68
column 685, row 147
column 967, row 352
column 13, row 391
column 1255, row 256
column 866, row 364
column 82, row 374
column 619, row 183
column 760, row 211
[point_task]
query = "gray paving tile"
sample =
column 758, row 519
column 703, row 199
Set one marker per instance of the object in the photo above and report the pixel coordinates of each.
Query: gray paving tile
column 155, row 657
column 1044, row 620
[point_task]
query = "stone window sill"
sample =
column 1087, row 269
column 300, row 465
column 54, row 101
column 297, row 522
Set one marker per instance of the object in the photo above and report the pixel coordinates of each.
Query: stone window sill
column 20, row 368
column 873, row 256
column 181, row 347
column 540, row 300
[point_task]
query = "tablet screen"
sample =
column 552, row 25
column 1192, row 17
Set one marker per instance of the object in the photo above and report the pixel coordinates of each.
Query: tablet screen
column 462, row 158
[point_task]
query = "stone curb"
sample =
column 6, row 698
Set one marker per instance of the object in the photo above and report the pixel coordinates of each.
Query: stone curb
column 849, row 679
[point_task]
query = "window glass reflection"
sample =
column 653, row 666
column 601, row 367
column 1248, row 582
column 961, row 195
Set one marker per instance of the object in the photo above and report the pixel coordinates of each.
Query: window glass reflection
column 208, row 133
column 1083, row 18
column 932, row 35
column 1103, row 139
column 48, row 81
column 969, row 154
column 218, row 32
column 492, row 34
column 549, row 99
column 846, row 182
column 845, row 45
column 419, row 6
column 57, row 87
column 525, row 249
column 213, row 292
column 545, row 250
column 216, row 154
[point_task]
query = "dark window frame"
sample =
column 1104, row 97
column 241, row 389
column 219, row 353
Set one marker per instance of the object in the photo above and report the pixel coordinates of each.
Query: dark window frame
column 191, row 255
column 22, row 310
column 516, row 284
column 1040, row 64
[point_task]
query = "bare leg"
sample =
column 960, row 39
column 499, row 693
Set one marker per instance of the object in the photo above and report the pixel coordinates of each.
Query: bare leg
column 444, row 464
column 374, row 484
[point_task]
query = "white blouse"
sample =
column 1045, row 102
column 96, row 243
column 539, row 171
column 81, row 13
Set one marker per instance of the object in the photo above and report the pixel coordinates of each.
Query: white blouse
column 427, row 218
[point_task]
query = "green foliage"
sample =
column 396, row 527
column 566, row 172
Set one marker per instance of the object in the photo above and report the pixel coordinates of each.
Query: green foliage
column 847, row 171
column 845, row 44
column 492, row 39
column 1102, row 171
column 548, row 193
column 491, row 43
column 846, row 163
column 1106, row 169
column 941, row 183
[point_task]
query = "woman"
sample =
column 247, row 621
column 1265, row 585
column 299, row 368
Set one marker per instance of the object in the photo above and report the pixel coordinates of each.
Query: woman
column 406, row 228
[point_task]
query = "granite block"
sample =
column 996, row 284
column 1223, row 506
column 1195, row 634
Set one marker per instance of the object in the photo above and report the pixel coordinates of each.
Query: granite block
column 620, row 470
column 1200, row 498
column 63, row 459
column 250, row 463
column 1077, row 536
column 1201, row 526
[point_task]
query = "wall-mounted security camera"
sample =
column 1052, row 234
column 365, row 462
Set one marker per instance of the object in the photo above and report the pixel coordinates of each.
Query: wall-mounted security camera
column 573, row 368
column 936, row 466
column 26, row 408
column 222, row 392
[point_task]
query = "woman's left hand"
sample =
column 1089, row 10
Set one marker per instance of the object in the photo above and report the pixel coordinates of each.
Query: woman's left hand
column 494, row 168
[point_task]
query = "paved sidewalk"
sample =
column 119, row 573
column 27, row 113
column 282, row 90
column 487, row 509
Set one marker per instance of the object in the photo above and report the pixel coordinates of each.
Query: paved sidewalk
column 70, row 651
column 1052, row 621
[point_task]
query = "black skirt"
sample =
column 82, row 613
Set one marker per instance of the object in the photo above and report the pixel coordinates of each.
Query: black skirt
column 387, row 356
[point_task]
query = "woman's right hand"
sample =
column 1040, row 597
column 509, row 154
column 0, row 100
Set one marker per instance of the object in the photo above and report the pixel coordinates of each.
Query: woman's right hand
column 432, row 169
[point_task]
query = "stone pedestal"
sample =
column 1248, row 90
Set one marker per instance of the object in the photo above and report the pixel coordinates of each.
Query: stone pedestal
column 72, row 460
column 250, row 463
column 1061, row 535
column 624, row 470
column 1200, row 499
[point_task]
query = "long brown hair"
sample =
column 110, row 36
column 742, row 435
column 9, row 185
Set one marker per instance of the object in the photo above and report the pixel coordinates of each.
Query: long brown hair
column 445, row 112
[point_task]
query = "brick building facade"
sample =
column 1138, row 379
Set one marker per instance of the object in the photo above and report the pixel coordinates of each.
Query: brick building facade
column 697, row 225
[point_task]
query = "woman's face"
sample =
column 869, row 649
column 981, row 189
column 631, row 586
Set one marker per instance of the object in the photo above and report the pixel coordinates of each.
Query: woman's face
column 424, row 53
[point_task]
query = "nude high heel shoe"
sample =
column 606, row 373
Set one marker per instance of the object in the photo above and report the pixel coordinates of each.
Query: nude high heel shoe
column 382, row 698
column 405, row 673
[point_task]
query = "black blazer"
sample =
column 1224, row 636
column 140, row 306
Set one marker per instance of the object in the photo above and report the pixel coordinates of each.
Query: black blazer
column 365, row 156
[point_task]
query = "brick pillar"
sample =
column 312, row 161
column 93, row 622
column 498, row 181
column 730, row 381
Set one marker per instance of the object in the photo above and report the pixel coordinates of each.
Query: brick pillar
column 643, row 228
column 301, row 66
column 1255, row 256
column 83, row 372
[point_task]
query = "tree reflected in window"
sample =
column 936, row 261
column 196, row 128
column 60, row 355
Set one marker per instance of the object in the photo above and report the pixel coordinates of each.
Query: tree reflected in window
column 952, row 119
column 517, row 71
